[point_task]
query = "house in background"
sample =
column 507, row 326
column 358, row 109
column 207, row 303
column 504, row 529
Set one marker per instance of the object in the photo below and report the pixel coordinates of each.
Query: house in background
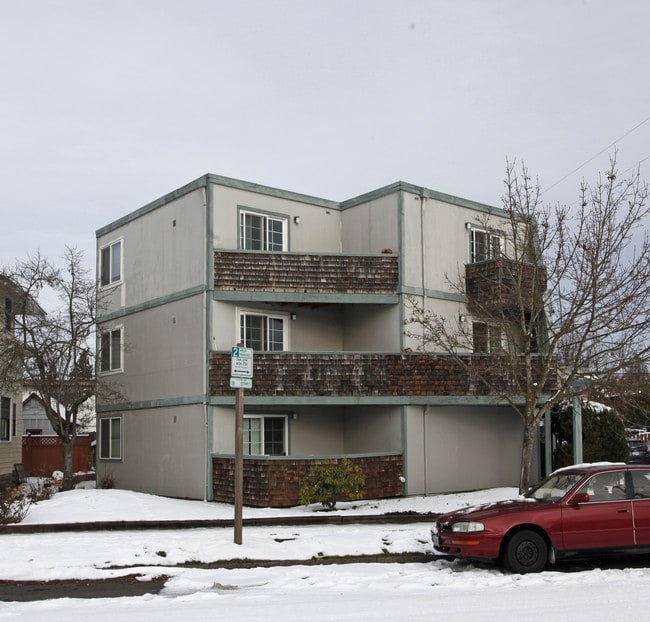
column 35, row 421
column 10, row 397
column 42, row 449
column 320, row 290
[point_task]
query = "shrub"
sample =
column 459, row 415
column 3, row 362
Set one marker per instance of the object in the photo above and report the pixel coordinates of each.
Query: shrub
column 603, row 434
column 40, row 490
column 14, row 505
column 332, row 482
column 107, row 480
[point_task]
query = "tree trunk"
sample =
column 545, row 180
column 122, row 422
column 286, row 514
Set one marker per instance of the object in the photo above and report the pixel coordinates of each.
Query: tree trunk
column 527, row 453
column 68, row 463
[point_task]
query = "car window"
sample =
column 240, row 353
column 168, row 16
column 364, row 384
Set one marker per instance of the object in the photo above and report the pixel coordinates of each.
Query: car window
column 641, row 482
column 554, row 487
column 608, row 486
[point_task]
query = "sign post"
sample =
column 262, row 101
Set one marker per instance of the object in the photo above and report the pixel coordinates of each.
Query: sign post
column 241, row 377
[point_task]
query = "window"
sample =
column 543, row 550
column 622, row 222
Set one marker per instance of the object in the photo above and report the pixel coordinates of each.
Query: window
column 606, row 487
column 14, row 420
column 641, row 482
column 110, row 350
column 5, row 414
column 486, row 337
column 265, row 435
column 262, row 332
column 484, row 245
column 259, row 232
column 111, row 264
column 110, row 438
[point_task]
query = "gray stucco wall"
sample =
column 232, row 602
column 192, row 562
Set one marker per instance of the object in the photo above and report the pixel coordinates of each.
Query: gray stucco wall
column 162, row 452
column 462, row 448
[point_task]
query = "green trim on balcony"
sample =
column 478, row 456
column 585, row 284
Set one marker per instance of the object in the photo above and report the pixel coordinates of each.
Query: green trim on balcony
column 376, row 454
column 370, row 400
column 281, row 297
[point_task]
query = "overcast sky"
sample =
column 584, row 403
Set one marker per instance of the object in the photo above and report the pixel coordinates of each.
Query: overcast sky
column 107, row 105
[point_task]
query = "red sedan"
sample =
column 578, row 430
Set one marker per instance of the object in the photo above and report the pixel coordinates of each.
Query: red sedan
column 593, row 509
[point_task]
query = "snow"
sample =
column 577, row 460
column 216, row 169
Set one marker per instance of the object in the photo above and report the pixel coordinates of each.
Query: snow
column 456, row 590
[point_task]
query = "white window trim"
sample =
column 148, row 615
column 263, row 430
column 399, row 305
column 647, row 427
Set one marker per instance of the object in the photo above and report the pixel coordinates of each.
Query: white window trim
column 110, row 245
column 491, row 233
column 101, row 442
column 266, row 215
column 285, row 440
column 490, row 327
column 109, row 331
column 280, row 316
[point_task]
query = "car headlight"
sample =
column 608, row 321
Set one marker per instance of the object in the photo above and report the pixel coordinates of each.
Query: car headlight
column 467, row 527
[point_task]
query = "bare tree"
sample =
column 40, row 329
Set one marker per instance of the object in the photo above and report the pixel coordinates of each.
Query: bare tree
column 55, row 348
column 564, row 303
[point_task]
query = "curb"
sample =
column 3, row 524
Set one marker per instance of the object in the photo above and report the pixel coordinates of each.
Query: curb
column 280, row 521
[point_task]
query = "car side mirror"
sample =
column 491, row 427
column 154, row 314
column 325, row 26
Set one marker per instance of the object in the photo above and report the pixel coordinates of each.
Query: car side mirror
column 581, row 497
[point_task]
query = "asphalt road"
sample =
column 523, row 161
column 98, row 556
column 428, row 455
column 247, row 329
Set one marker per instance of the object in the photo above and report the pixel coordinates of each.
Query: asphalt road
column 105, row 588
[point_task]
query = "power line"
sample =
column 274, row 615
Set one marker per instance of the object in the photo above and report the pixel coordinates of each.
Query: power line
column 575, row 170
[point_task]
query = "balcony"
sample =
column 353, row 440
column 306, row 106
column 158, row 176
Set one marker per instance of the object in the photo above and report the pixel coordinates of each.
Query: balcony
column 241, row 275
column 360, row 374
column 497, row 285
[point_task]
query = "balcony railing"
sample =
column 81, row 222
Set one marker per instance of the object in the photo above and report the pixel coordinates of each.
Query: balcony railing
column 240, row 271
column 354, row 374
column 503, row 285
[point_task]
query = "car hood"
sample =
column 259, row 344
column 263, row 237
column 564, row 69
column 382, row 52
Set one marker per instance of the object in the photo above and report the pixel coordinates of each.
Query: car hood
column 481, row 512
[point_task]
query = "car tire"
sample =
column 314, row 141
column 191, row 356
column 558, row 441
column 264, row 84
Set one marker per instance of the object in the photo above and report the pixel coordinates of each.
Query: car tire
column 525, row 551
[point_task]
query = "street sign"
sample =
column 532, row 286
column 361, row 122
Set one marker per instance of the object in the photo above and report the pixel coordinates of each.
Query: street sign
column 241, row 362
column 241, row 383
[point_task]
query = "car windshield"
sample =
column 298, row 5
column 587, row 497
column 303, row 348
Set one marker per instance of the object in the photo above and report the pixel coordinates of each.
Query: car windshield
column 555, row 486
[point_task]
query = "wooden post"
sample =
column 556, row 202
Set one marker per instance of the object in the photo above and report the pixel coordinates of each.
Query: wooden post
column 239, row 463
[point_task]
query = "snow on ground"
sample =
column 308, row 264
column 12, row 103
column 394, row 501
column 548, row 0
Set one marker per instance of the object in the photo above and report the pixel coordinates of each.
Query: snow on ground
column 87, row 505
column 362, row 592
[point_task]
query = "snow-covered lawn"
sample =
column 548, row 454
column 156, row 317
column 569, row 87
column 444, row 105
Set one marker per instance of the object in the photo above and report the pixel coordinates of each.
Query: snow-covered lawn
column 449, row 590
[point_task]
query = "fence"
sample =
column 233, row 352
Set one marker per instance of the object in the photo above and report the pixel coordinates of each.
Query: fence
column 42, row 455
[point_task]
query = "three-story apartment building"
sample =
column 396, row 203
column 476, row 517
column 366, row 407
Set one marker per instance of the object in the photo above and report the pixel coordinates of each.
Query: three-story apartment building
column 319, row 289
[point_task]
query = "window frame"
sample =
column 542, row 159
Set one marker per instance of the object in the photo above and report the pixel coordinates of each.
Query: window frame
column 107, row 456
column 109, row 348
column 242, row 314
column 491, row 237
column 262, row 418
column 5, row 418
column 111, row 279
column 493, row 338
column 266, row 243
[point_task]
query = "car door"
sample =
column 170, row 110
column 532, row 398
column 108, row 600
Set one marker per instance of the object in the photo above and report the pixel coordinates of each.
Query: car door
column 641, row 505
column 605, row 520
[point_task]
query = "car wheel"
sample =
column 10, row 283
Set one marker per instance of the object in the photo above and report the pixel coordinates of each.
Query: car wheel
column 525, row 551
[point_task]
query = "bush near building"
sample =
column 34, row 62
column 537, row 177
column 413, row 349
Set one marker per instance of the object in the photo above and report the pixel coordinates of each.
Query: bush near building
column 603, row 434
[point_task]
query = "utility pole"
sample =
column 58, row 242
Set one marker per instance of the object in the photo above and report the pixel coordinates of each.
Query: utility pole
column 239, row 464
column 241, row 377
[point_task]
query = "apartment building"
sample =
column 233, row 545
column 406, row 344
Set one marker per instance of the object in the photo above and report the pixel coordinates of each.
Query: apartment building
column 320, row 290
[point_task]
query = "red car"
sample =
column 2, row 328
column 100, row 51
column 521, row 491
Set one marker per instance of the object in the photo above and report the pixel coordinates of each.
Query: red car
column 593, row 509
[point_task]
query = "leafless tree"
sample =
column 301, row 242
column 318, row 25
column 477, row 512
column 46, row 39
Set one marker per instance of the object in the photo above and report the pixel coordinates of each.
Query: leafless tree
column 567, row 298
column 53, row 351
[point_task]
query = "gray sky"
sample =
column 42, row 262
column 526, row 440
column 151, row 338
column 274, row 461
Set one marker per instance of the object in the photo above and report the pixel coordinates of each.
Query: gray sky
column 107, row 105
